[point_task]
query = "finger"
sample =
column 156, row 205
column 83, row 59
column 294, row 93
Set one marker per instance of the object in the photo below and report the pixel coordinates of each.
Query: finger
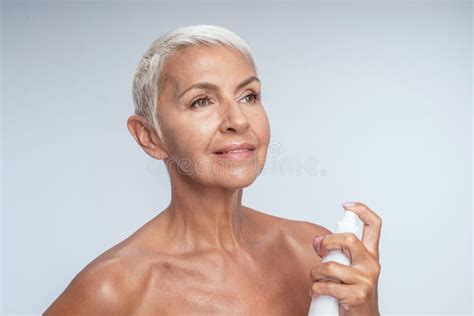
column 334, row 289
column 351, row 295
column 336, row 272
column 347, row 242
column 372, row 226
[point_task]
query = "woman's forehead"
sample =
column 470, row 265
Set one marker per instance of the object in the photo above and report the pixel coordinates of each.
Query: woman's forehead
column 218, row 67
column 200, row 61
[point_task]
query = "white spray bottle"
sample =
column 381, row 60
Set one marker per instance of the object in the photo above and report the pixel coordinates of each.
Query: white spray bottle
column 325, row 304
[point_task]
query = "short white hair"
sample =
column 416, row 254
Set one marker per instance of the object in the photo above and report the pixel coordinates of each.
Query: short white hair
column 148, row 78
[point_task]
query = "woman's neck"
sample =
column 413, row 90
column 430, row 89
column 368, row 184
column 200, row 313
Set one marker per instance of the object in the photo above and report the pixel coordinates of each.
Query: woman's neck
column 204, row 217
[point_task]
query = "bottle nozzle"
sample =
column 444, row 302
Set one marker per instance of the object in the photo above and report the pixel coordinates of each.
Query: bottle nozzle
column 349, row 221
column 350, row 216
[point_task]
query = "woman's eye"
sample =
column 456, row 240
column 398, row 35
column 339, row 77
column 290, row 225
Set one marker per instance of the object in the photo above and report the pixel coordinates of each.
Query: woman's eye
column 250, row 98
column 200, row 102
column 254, row 97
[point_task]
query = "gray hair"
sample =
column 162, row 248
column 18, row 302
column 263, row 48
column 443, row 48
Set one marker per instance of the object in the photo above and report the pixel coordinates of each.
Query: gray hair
column 148, row 78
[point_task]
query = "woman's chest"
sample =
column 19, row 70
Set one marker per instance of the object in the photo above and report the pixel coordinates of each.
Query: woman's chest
column 277, row 286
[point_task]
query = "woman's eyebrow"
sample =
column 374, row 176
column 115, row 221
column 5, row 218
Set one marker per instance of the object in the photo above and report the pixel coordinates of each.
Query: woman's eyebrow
column 208, row 85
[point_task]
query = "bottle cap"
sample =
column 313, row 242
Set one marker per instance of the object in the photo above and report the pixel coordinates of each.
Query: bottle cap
column 350, row 217
column 349, row 223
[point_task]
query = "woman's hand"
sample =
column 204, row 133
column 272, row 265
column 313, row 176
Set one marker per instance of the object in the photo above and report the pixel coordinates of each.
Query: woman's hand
column 355, row 286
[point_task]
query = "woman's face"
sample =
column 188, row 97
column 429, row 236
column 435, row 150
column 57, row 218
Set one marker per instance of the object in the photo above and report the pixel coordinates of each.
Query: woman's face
column 223, row 109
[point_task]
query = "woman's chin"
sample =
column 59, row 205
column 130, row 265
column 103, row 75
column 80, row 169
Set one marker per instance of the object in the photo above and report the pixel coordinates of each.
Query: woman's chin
column 239, row 183
column 232, row 181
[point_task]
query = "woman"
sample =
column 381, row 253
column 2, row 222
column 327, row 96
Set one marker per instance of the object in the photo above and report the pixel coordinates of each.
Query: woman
column 198, row 108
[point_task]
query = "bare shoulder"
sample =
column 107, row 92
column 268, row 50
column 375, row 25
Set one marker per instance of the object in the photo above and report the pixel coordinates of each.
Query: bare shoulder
column 115, row 281
column 301, row 234
column 305, row 228
column 100, row 288
column 298, row 233
column 297, row 228
column 109, row 284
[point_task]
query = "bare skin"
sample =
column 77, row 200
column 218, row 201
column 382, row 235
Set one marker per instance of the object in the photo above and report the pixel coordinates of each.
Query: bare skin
column 146, row 275
column 206, row 253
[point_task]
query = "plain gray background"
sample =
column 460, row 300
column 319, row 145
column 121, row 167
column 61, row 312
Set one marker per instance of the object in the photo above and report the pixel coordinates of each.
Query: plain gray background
column 375, row 95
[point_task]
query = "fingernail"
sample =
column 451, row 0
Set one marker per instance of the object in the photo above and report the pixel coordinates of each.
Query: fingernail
column 317, row 242
column 348, row 204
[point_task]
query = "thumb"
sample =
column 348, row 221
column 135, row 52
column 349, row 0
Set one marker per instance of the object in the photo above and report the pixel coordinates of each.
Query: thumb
column 317, row 243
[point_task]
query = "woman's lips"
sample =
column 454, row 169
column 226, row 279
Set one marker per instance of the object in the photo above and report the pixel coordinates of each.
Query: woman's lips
column 237, row 154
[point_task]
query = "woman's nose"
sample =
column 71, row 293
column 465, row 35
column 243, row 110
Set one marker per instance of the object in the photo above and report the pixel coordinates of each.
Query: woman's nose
column 234, row 119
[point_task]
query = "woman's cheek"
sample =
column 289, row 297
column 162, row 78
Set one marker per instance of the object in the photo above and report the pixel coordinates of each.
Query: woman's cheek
column 264, row 126
column 263, row 135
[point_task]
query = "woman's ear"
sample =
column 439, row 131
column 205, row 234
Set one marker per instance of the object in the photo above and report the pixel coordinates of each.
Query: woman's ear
column 146, row 137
